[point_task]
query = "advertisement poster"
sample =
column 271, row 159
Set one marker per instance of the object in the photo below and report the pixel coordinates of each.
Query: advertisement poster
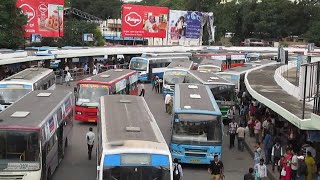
column 185, row 24
column 144, row 21
column 43, row 17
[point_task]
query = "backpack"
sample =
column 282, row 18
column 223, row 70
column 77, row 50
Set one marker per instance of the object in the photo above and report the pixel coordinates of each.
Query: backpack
column 176, row 172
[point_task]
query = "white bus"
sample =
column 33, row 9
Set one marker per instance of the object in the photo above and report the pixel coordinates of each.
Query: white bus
column 34, row 133
column 168, row 54
column 18, row 85
column 210, row 65
column 175, row 74
column 150, row 67
column 130, row 143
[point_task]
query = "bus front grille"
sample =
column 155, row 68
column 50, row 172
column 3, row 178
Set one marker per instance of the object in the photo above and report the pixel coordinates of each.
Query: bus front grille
column 195, row 154
column 11, row 177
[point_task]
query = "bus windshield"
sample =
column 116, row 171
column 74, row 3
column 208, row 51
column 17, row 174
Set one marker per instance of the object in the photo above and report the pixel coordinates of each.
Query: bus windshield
column 136, row 173
column 89, row 94
column 11, row 93
column 138, row 64
column 223, row 92
column 19, row 150
column 204, row 132
column 172, row 77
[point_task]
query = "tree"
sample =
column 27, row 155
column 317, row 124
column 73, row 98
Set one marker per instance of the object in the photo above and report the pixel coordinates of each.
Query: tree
column 313, row 34
column 11, row 26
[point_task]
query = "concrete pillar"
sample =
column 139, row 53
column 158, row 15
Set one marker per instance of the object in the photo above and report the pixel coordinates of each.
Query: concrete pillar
column 90, row 63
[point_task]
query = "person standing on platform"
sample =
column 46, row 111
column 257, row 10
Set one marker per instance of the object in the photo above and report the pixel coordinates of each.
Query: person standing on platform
column 90, row 141
column 142, row 90
column 68, row 78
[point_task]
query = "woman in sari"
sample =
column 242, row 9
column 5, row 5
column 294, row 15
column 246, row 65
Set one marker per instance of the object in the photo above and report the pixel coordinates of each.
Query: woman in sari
column 287, row 165
column 310, row 165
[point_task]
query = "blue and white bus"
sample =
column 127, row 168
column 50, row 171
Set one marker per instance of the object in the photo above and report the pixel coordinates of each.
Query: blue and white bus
column 150, row 67
column 197, row 130
column 130, row 143
column 175, row 73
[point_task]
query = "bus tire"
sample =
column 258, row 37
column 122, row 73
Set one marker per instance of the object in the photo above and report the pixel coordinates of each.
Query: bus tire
column 49, row 175
column 66, row 143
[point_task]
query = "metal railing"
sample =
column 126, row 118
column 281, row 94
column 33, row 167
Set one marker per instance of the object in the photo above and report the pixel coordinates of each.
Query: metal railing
column 76, row 75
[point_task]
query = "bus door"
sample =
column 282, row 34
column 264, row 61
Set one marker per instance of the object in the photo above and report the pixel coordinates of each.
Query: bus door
column 60, row 142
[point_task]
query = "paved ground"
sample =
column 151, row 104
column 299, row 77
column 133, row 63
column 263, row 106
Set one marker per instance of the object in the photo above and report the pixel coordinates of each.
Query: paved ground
column 76, row 166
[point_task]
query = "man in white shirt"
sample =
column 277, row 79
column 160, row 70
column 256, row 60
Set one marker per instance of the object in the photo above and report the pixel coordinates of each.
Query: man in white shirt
column 241, row 134
column 68, row 78
column 95, row 71
column 142, row 90
column 167, row 102
column 261, row 170
column 294, row 165
column 90, row 140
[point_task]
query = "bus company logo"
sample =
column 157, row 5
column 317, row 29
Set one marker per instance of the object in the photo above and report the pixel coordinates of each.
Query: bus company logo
column 28, row 11
column 43, row 8
column 133, row 19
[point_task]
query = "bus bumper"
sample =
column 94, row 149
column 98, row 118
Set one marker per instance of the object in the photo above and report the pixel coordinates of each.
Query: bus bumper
column 86, row 114
column 27, row 175
column 188, row 154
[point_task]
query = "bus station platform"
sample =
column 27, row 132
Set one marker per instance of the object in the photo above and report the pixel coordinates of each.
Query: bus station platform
column 262, row 86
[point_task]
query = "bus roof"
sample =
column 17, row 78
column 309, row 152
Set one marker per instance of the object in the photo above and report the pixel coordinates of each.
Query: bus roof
column 194, row 99
column 38, row 106
column 109, row 76
column 29, row 75
column 127, row 118
column 161, row 57
column 180, row 64
column 214, row 62
column 243, row 69
column 207, row 77
column 155, row 54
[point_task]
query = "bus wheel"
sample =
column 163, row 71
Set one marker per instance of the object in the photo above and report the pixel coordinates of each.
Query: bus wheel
column 49, row 175
column 66, row 143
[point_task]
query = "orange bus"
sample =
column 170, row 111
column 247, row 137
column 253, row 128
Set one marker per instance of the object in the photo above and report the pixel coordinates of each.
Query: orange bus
column 89, row 91
column 226, row 61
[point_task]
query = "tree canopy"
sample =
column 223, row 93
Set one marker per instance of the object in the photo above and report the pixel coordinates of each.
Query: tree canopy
column 11, row 22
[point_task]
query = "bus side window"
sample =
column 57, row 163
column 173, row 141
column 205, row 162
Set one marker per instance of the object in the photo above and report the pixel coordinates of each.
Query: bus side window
column 51, row 142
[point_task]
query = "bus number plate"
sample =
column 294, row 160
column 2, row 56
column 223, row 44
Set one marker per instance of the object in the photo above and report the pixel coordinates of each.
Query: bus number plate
column 194, row 160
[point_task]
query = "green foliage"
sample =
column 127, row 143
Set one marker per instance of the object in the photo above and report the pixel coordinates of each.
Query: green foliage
column 11, row 22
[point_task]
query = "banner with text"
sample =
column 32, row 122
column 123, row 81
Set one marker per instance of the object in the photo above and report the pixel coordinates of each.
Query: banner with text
column 185, row 24
column 43, row 17
column 144, row 21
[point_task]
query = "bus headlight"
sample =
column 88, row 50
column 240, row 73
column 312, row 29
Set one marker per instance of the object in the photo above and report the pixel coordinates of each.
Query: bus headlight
column 79, row 113
column 176, row 152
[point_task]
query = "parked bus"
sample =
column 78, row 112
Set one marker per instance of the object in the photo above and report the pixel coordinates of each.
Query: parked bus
column 34, row 134
column 151, row 67
column 210, row 65
column 196, row 126
column 89, row 90
column 167, row 54
column 175, row 74
column 236, row 74
column 226, row 61
column 222, row 90
column 130, row 143
column 16, row 86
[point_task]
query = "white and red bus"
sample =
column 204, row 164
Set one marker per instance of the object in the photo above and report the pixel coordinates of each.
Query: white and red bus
column 225, row 61
column 34, row 134
column 89, row 91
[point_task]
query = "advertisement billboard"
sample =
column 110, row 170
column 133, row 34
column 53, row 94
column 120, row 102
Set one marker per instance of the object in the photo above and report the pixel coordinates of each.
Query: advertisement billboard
column 87, row 37
column 43, row 17
column 144, row 21
column 185, row 24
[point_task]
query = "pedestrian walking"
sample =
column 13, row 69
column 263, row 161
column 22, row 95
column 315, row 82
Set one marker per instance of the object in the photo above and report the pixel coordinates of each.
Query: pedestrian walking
column 276, row 154
column 257, row 130
column 231, row 114
column 170, row 105
column 68, row 78
column 286, row 170
column 261, row 170
column 142, row 89
column 90, row 140
column 267, row 144
column 241, row 135
column 153, row 83
column 167, row 102
column 302, row 171
column 233, row 126
column 216, row 169
column 294, row 165
column 249, row 175
column 177, row 170
column 257, row 154
column 160, row 84
column 95, row 71
column 251, row 126
column 310, row 162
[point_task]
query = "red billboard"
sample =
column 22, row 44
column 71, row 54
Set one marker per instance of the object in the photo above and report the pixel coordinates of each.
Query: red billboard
column 44, row 17
column 144, row 21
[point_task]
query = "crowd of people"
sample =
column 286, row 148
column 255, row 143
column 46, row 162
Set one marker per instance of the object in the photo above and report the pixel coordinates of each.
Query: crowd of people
column 279, row 144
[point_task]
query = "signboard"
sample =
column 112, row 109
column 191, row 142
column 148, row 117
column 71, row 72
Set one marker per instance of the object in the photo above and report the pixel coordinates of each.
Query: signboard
column 185, row 24
column 87, row 37
column 43, row 17
column 144, row 21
